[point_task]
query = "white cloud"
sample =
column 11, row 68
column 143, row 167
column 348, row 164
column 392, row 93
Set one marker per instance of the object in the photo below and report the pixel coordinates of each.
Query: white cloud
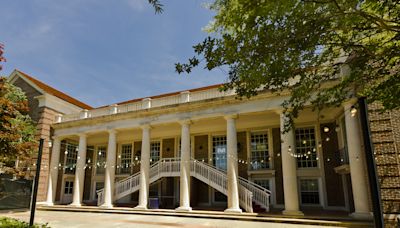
column 137, row 5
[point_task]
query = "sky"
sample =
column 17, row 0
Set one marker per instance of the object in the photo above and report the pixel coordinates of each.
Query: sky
column 103, row 52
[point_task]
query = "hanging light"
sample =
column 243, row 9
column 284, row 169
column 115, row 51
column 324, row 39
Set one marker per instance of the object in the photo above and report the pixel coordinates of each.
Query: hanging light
column 66, row 152
column 326, row 129
column 353, row 111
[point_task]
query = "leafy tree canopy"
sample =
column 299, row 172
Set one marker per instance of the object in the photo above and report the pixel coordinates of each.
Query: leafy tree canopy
column 17, row 131
column 266, row 44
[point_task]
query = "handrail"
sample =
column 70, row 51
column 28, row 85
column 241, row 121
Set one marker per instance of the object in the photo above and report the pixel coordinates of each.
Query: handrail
column 216, row 178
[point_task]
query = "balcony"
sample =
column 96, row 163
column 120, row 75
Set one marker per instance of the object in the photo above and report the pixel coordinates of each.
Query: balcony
column 148, row 103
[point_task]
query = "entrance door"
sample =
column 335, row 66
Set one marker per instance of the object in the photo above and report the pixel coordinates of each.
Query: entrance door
column 68, row 189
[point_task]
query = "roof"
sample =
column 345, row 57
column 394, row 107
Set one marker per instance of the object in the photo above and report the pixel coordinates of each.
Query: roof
column 48, row 89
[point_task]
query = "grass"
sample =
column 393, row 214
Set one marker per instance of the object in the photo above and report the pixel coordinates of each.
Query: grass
column 15, row 223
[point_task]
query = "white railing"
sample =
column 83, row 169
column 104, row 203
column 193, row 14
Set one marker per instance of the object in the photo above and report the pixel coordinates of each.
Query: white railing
column 261, row 195
column 248, row 191
column 146, row 103
column 100, row 196
column 218, row 180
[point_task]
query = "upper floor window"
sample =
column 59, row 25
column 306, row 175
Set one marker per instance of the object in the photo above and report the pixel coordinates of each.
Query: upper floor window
column 125, row 159
column 306, row 148
column 71, row 152
column 155, row 148
column 259, row 151
column 219, row 152
column 101, row 159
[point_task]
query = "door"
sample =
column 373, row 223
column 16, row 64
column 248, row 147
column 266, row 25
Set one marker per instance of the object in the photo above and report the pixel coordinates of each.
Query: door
column 68, row 190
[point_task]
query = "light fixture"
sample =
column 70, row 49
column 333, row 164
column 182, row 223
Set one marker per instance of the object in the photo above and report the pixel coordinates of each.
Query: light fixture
column 326, row 129
column 353, row 111
column 66, row 152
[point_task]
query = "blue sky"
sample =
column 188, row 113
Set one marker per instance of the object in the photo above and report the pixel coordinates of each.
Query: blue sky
column 102, row 51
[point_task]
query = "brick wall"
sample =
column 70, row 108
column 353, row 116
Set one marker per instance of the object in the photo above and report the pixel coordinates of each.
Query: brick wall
column 385, row 133
column 43, row 117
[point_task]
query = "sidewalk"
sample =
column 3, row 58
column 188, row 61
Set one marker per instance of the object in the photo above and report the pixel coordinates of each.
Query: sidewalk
column 114, row 218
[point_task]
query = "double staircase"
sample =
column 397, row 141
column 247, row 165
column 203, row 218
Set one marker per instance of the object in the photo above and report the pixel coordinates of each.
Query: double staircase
column 249, row 192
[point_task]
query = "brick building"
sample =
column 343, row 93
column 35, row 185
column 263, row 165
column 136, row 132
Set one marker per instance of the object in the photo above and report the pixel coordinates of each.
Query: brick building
column 203, row 148
column 45, row 104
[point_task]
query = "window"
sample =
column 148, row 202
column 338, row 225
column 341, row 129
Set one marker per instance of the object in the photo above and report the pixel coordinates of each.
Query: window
column 305, row 148
column 101, row 159
column 154, row 152
column 125, row 158
column 259, row 151
column 69, row 187
column 71, row 152
column 219, row 152
column 309, row 191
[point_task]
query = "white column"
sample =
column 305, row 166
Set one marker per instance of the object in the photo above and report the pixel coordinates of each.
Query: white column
column 55, row 159
column 109, row 177
column 289, row 171
column 144, row 168
column 79, row 172
column 356, row 162
column 232, row 165
column 185, row 167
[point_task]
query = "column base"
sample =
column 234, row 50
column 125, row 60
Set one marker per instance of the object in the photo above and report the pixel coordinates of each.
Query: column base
column 362, row 215
column 75, row 205
column 291, row 212
column 140, row 208
column 106, row 206
column 183, row 209
column 49, row 204
column 233, row 210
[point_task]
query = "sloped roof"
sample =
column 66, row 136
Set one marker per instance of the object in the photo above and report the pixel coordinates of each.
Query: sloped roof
column 48, row 89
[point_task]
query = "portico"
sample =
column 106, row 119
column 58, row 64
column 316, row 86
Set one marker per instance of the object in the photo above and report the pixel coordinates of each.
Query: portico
column 241, row 141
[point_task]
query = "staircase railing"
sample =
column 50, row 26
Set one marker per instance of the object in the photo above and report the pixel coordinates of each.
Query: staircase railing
column 261, row 195
column 248, row 191
column 218, row 180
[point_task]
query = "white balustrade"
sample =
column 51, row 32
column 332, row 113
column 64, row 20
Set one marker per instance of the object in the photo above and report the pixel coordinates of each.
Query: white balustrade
column 167, row 167
column 146, row 103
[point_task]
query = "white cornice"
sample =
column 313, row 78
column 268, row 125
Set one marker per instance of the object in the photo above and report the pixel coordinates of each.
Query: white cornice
column 57, row 104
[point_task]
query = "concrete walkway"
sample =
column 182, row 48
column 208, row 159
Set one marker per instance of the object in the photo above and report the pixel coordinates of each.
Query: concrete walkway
column 87, row 219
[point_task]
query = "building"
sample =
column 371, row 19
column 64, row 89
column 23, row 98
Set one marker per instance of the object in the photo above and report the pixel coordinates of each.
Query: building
column 202, row 148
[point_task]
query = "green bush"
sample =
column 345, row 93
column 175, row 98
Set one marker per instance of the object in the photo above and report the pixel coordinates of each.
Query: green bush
column 15, row 223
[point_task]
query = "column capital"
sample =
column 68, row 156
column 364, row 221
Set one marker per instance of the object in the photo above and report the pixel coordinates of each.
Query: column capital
column 231, row 116
column 82, row 134
column 57, row 137
column 145, row 126
column 185, row 122
column 112, row 131
column 350, row 102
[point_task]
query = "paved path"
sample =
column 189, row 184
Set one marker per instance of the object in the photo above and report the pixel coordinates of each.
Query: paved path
column 78, row 219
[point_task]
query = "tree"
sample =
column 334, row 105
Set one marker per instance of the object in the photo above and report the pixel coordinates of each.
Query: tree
column 17, row 130
column 267, row 44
